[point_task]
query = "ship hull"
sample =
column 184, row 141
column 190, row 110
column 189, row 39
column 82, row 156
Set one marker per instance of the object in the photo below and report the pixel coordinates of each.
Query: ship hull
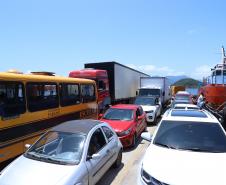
column 215, row 94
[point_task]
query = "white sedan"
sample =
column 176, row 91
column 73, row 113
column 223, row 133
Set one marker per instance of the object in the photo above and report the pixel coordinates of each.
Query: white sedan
column 187, row 148
column 73, row 153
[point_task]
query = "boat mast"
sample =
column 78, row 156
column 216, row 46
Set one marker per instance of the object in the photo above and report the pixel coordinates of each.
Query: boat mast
column 224, row 64
column 223, row 55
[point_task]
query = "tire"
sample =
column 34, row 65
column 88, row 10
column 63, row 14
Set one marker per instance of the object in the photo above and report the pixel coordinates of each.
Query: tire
column 146, row 127
column 155, row 120
column 134, row 141
column 118, row 161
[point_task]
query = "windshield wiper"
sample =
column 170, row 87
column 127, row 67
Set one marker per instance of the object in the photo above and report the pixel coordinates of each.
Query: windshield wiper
column 46, row 158
column 196, row 149
column 55, row 160
column 33, row 155
column 113, row 119
column 165, row 145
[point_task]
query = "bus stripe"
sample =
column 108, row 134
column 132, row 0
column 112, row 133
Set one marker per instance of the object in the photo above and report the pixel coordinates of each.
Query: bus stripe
column 30, row 128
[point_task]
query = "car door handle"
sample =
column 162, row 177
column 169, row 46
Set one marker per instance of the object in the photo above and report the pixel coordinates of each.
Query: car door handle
column 107, row 153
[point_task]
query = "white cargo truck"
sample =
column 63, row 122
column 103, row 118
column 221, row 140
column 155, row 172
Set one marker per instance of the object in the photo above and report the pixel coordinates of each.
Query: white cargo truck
column 123, row 81
column 155, row 86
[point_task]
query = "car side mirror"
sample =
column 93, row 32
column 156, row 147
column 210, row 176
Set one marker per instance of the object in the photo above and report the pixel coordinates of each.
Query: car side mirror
column 147, row 136
column 27, row 146
column 101, row 115
column 139, row 117
column 96, row 156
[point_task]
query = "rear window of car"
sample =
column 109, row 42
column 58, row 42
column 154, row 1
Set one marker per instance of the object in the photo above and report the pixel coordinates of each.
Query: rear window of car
column 189, row 113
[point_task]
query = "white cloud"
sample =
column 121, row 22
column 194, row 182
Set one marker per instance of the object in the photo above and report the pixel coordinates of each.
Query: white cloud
column 196, row 73
column 156, row 71
column 200, row 72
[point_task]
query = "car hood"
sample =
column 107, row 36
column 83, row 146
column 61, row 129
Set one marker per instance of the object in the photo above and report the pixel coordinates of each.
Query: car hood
column 176, row 167
column 28, row 171
column 149, row 108
column 119, row 126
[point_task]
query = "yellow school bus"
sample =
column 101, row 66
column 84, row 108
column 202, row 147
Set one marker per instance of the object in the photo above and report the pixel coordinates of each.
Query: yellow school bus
column 32, row 103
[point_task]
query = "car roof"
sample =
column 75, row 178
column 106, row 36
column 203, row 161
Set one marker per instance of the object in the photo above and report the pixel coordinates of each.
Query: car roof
column 125, row 106
column 194, row 115
column 75, row 126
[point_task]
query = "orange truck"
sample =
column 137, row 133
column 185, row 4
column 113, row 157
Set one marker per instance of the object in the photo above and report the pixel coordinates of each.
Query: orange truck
column 176, row 88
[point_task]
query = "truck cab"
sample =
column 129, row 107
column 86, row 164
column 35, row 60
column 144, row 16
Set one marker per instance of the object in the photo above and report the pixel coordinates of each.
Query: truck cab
column 155, row 92
column 156, row 86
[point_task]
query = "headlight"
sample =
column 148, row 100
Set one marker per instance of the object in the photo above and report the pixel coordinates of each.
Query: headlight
column 123, row 133
column 149, row 179
column 150, row 111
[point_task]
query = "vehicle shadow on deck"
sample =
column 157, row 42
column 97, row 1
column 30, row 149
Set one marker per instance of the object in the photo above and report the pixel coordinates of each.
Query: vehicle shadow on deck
column 110, row 175
column 129, row 149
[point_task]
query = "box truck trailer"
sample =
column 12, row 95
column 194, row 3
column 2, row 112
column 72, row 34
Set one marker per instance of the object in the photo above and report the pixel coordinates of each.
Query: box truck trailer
column 116, row 83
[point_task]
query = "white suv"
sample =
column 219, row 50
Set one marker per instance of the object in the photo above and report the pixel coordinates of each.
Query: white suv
column 151, row 105
column 188, row 147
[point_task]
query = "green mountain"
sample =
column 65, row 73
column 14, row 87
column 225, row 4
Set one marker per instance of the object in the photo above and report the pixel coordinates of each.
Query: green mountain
column 188, row 82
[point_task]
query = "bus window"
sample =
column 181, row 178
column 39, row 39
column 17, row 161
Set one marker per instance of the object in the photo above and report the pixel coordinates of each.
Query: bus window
column 12, row 101
column 42, row 96
column 69, row 94
column 88, row 93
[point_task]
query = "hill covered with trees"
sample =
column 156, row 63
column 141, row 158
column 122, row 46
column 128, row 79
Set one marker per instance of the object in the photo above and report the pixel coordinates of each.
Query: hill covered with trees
column 188, row 82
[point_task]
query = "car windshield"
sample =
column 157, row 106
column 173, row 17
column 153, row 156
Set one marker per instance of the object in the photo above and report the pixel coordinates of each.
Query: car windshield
column 119, row 114
column 145, row 101
column 194, row 136
column 58, row 147
column 149, row 92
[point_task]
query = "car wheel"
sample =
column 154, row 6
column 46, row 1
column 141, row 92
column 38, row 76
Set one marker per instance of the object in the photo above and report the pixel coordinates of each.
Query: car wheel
column 155, row 120
column 118, row 161
column 146, row 127
column 134, row 141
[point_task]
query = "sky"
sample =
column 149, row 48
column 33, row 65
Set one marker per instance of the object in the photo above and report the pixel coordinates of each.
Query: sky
column 157, row 37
